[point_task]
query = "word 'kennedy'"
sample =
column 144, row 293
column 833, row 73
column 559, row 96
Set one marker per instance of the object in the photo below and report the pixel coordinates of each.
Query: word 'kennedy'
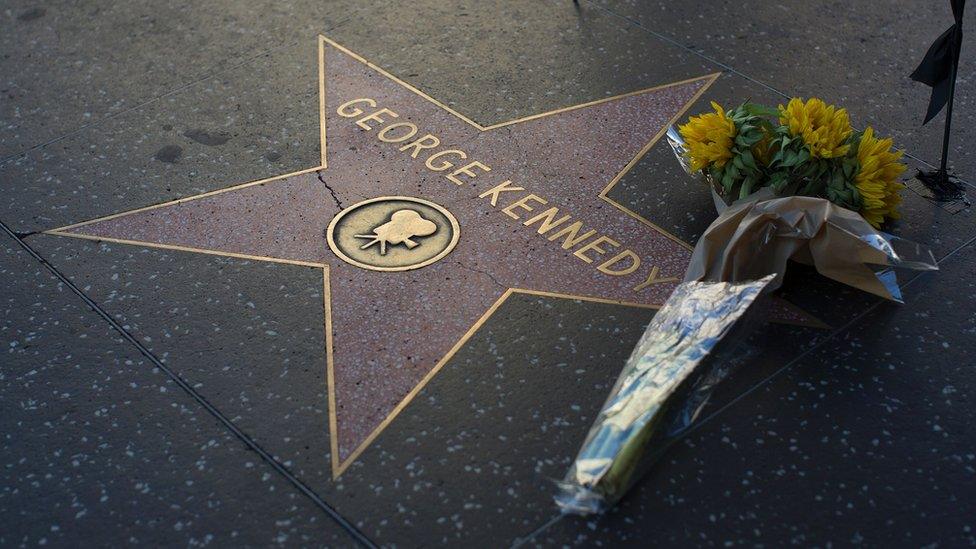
column 589, row 245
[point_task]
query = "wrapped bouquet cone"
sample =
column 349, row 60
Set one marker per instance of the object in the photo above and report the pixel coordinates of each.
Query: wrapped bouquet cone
column 742, row 255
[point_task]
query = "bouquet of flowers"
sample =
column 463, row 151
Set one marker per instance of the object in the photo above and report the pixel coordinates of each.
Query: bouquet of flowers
column 794, row 183
column 805, row 148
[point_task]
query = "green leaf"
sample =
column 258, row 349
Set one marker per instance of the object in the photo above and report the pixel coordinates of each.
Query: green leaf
column 732, row 170
column 748, row 160
column 760, row 110
column 727, row 182
column 746, row 189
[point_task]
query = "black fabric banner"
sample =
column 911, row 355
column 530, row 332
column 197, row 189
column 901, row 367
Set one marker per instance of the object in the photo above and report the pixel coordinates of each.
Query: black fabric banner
column 936, row 68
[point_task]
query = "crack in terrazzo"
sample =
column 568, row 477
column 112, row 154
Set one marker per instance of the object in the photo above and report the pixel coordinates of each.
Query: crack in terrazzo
column 318, row 174
column 489, row 275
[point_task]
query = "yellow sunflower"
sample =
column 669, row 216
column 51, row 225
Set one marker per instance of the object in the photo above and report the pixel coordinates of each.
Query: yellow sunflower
column 763, row 151
column 709, row 138
column 877, row 178
column 824, row 128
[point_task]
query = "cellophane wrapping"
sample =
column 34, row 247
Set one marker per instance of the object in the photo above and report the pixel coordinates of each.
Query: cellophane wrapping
column 698, row 336
column 670, row 359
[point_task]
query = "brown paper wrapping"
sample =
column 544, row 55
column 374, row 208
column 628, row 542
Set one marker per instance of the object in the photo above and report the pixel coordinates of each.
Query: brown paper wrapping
column 758, row 235
column 742, row 255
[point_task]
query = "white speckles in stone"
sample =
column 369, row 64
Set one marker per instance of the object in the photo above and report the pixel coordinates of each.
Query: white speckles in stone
column 113, row 446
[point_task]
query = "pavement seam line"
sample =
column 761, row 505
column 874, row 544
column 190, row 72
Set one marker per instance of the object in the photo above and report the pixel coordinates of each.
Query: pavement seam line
column 674, row 42
column 729, row 68
column 843, row 329
column 521, row 541
column 789, row 365
column 200, row 399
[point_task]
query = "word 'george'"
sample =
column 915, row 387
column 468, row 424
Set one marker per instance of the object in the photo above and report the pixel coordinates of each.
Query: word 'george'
column 514, row 201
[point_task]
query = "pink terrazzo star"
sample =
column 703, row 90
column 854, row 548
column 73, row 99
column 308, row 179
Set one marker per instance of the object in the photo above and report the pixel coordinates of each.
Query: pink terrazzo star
column 391, row 331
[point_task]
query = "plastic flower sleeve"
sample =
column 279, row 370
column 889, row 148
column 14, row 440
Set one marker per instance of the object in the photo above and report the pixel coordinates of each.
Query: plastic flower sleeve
column 678, row 360
column 759, row 234
column 755, row 237
column 662, row 387
column 678, row 146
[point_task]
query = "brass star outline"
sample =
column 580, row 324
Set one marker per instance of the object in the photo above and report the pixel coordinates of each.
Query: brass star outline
column 338, row 467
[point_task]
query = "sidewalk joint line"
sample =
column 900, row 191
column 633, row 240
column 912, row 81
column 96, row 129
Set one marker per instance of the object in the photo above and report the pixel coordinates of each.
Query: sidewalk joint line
column 697, row 425
column 727, row 67
column 200, row 399
column 817, row 346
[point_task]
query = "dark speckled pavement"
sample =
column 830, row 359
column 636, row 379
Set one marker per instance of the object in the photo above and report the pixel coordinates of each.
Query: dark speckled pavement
column 176, row 391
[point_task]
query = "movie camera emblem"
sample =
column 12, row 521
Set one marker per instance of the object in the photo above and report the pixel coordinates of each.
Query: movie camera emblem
column 393, row 233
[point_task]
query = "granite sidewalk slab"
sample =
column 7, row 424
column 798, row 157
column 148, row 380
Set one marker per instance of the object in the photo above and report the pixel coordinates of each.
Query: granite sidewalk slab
column 101, row 448
column 470, row 457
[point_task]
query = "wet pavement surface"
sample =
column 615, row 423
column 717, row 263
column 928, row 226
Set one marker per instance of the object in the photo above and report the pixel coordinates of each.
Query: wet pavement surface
column 194, row 354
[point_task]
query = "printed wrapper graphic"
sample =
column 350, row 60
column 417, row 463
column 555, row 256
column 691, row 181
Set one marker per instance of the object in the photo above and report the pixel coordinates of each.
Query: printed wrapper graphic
column 664, row 383
column 685, row 351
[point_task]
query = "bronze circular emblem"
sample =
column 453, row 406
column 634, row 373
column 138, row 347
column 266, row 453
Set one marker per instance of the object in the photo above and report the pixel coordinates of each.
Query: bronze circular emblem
column 393, row 233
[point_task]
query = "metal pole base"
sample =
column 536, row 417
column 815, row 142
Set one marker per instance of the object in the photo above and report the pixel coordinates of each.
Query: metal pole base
column 944, row 186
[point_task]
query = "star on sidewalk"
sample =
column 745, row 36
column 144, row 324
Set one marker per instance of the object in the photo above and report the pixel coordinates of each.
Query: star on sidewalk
column 532, row 216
